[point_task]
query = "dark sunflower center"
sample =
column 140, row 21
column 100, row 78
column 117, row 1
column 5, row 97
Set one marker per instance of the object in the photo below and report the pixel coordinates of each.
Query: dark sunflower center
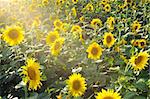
column 31, row 73
column 76, row 29
column 138, row 60
column 45, row 2
column 94, row 23
column 98, row 24
column 58, row 24
column 90, row 8
column 136, row 27
column 94, row 51
column 112, row 22
column 136, row 43
column 76, row 85
column 107, row 7
column 108, row 97
column 53, row 38
column 142, row 43
column 108, row 39
column 57, row 45
column 128, row 1
column 13, row 34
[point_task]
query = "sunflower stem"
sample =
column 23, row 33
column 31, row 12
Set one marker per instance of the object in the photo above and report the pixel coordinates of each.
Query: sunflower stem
column 119, row 88
column 91, row 96
column 26, row 93
column 126, row 68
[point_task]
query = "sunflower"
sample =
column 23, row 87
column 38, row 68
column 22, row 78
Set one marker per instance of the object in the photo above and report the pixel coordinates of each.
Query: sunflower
column 58, row 23
column 59, row 96
column 74, row 12
column 145, row 1
column 135, row 26
column 128, row 2
column 142, row 43
column 96, row 23
column 104, row 2
column 82, row 18
column 110, row 23
column 76, row 84
column 123, row 57
column 51, row 37
column 59, row 2
column 135, row 42
column 36, row 22
column 76, row 28
column 117, row 48
column 13, row 35
column 57, row 46
column 122, row 42
column 109, row 94
column 108, row 40
column 94, row 51
column 107, row 8
column 140, row 60
column 32, row 74
column 75, row 1
column 89, row 7
column 82, row 38
column 65, row 27
column 45, row 2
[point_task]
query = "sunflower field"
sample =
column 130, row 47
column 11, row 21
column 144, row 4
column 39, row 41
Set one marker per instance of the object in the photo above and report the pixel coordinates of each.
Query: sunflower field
column 74, row 49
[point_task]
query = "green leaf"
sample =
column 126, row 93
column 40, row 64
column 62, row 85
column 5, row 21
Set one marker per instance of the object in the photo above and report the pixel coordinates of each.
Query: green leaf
column 129, row 95
column 139, row 97
column 141, row 85
column 34, row 95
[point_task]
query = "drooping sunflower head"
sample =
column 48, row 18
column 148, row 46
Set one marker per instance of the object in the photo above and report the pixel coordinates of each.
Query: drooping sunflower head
column 107, row 8
column 76, row 28
column 135, row 26
column 75, row 1
column 139, row 61
column 74, row 12
column 32, row 74
column 110, row 23
column 110, row 20
column 57, row 46
column 82, row 38
column 58, row 23
column 89, row 7
column 142, row 43
column 96, row 23
column 94, row 51
column 13, row 35
column 82, row 18
column 109, row 94
column 108, row 40
column 51, row 37
column 76, row 84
